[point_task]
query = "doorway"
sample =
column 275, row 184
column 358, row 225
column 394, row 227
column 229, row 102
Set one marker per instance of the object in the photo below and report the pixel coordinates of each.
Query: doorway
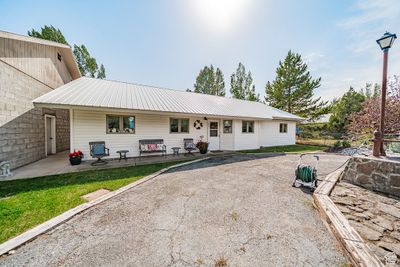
column 213, row 135
column 50, row 134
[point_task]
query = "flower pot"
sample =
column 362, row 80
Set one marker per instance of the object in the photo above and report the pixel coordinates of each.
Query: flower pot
column 75, row 160
column 203, row 147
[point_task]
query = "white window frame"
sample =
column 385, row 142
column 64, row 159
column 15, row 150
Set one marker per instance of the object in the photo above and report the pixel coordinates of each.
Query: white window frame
column 179, row 125
column 223, row 127
column 247, row 126
column 121, row 123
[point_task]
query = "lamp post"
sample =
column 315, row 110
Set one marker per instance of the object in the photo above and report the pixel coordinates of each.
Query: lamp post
column 385, row 42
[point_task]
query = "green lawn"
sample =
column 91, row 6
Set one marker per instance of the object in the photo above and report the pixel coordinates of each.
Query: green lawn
column 287, row 149
column 29, row 202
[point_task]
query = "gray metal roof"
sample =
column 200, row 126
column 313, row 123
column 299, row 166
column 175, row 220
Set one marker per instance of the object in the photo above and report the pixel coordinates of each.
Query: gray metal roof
column 90, row 92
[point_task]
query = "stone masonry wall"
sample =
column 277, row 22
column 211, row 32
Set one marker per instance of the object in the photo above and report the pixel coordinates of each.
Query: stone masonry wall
column 374, row 174
column 22, row 130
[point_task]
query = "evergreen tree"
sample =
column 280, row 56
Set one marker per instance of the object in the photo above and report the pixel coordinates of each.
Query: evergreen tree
column 293, row 89
column 242, row 86
column 87, row 65
column 49, row 33
column 343, row 107
column 210, row 82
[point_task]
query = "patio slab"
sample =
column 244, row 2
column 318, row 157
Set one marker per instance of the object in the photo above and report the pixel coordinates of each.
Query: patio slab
column 58, row 164
column 240, row 209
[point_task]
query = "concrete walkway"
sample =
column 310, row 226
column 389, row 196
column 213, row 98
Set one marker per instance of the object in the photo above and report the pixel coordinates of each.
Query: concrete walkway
column 241, row 210
column 59, row 163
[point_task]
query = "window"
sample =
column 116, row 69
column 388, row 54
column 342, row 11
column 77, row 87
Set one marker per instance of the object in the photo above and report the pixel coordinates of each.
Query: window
column 283, row 128
column 179, row 125
column 59, row 56
column 247, row 126
column 120, row 124
column 227, row 126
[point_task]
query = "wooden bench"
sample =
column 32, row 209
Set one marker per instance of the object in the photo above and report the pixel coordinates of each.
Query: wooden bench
column 152, row 146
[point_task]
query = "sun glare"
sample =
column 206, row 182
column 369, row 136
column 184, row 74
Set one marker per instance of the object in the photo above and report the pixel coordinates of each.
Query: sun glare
column 219, row 15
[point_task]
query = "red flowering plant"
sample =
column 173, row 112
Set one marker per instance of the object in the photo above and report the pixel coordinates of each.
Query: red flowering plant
column 76, row 154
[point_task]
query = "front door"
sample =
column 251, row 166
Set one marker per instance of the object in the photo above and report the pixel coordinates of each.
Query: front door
column 213, row 135
column 50, row 129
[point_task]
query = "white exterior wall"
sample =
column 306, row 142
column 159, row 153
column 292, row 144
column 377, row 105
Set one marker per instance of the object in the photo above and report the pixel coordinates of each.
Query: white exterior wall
column 91, row 126
column 270, row 135
column 246, row 140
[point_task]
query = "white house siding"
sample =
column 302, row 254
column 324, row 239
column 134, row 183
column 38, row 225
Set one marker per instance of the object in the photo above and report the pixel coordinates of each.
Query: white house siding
column 91, row 126
column 246, row 140
column 270, row 135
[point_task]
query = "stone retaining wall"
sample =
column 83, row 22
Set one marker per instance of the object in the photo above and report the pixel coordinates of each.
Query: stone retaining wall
column 374, row 174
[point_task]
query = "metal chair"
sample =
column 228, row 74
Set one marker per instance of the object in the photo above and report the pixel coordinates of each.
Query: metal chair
column 189, row 145
column 98, row 150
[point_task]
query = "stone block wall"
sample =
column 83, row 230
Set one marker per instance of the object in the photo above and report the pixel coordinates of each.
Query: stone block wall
column 22, row 126
column 374, row 174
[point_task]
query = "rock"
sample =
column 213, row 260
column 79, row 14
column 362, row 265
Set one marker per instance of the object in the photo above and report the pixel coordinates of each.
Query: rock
column 380, row 252
column 368, row 233
column 373, row 226
column 383, row 222
column 360, row 215
column 395, row 235
column 395, row 180
column 367, row 167
column 344, row 209
column 357, row 209
column 389, row 209
column 395, row 247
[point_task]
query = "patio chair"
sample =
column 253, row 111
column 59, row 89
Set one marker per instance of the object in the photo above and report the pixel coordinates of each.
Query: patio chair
column 189, row 145
column 98, row 150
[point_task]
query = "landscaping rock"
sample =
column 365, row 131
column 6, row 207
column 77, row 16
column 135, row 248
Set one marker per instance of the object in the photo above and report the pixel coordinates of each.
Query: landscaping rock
column 374, row 216
column 394, row 247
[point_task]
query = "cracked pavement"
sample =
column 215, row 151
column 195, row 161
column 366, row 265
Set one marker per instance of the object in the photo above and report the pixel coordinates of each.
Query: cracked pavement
column 240, row 208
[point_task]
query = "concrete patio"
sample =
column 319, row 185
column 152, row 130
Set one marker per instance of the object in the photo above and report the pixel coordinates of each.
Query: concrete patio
column 58, row 164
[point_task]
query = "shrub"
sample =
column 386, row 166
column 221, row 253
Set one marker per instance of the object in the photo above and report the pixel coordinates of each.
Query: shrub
column 346, row 143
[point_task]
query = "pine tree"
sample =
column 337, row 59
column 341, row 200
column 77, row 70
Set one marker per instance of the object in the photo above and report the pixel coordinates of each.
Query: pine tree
column 293, row 89
column 242, row 86
column 210, row 82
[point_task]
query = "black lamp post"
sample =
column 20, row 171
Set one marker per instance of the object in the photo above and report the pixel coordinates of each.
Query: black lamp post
column 385, row 42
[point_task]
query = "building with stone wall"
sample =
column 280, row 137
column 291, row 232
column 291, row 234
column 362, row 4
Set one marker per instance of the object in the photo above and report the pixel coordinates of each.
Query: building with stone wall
column 29, row 68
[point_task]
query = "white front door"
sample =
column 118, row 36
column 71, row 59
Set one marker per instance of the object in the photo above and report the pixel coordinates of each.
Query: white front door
column 50, row 134
column 213, row 135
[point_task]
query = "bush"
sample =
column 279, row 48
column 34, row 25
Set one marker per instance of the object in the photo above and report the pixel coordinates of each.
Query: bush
column 346, row 143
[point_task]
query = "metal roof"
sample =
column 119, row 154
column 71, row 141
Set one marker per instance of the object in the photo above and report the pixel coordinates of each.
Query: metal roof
column 97, row 93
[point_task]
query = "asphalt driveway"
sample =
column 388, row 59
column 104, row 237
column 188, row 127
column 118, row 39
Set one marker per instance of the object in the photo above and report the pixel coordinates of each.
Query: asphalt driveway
column 240, row 210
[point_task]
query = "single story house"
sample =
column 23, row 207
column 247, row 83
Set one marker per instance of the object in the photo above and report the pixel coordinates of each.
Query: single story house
column 122, row 113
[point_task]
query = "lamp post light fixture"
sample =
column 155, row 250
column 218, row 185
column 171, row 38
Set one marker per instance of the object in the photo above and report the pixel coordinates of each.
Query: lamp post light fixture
column 385, row 43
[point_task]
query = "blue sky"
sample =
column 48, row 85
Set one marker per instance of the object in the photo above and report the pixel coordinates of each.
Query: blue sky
column 166, row 43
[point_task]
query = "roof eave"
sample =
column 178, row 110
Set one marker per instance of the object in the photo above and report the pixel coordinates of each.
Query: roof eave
column 109, row 109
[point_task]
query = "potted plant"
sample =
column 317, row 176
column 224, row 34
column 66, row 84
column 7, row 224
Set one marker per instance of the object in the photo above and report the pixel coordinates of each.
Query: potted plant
column 75, row 158
column 202, row 146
